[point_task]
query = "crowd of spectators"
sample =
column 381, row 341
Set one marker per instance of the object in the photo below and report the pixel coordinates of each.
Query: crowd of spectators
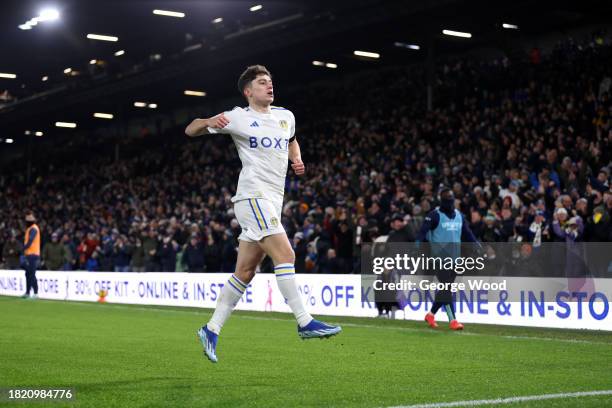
column 525, row 145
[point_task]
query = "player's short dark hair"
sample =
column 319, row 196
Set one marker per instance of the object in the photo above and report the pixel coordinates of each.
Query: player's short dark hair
column 250, row 74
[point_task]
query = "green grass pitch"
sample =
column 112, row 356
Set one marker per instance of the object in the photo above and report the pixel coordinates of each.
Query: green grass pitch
column 135, row 356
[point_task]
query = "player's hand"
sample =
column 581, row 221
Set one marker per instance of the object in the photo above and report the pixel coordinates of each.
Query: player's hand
column 218, row 122
column 298, row 167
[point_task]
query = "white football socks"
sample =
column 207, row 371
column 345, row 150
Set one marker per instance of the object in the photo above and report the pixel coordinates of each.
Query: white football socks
column 285, row 278
column 228, row 299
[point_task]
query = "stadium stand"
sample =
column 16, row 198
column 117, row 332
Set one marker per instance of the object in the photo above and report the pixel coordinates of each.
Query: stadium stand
column 525, row 144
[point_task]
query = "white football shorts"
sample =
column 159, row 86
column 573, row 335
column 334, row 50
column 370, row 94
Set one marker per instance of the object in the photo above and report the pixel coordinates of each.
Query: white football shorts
column 258, row 218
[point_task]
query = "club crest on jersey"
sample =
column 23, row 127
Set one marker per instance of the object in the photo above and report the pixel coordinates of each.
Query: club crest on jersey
column 283, row 124
column 450, row 225
column 274, row 222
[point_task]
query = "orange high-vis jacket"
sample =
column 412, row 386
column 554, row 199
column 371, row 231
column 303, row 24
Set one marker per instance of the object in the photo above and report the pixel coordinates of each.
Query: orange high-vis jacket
column 34, row 249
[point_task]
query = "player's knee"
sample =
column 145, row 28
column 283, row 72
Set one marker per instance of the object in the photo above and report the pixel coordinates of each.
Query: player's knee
column 245, row 274
column 286, row 257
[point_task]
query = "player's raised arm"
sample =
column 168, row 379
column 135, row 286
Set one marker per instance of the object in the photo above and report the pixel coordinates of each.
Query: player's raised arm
column 199, row 127
column 295, row 155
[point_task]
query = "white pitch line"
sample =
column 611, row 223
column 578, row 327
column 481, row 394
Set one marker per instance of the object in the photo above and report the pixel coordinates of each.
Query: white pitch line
column 365, row 326
column 511, row 400
column 551, row 339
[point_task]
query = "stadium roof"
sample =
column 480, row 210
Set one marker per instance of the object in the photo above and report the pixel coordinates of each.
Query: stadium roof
column 163, row 56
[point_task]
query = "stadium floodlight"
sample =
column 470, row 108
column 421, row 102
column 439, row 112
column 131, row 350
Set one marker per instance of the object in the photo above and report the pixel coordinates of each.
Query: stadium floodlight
column 39, row 133
column 367, row 54
column 140, row 104
column 101, row 37
column 405, row 45
column 168, row 13
column 510, row 26
column 193, row 47
column 67, row 70
column 45, row 78
column 325, row 64
column 48, row 15
column 103, row 115
column 194, row 93
column 152, row 106
column 44, row 16
column 119, row 53
column 9, row 141
column 457, row 33
column 256, row 8
column 217, row 20
column 7, row 75
column 66, row 124
column 93, row 61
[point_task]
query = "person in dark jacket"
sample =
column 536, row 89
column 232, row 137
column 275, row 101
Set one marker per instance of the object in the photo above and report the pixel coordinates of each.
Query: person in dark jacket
column 167, row 251
column 599, row 226
column 212, row 259
column 344, row 245
column 93, row 263
column 229, row 253
column 105, row 254
column 331, row 263
column 193, row 255
column 55, row 254
column 122, row 253
column 400, row 231
column 137, row 263
column 10, row 252
column 150, row 245
column 301, row 251
column 71, row 253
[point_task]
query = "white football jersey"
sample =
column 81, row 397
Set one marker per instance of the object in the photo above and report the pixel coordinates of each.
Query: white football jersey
column 262, row 140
